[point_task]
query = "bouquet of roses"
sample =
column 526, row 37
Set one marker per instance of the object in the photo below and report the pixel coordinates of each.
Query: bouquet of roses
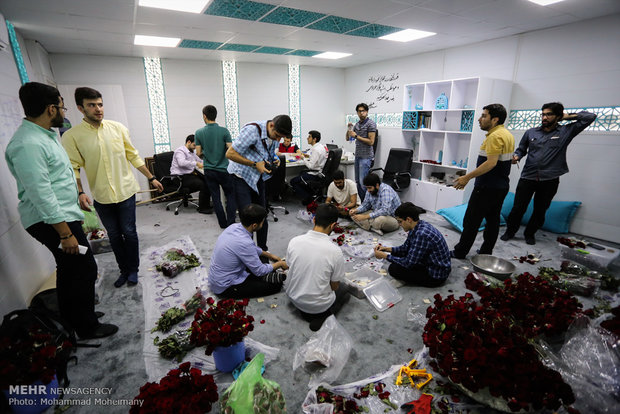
column 223, row 324
column 176, row 261
column 182, row 390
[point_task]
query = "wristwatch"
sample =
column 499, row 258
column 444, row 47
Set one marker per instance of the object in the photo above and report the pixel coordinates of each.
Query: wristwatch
column 153, row 178
column 254, row 165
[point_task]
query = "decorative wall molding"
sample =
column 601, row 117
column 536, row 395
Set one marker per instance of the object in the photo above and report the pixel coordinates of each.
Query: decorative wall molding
column 294, row 104
column 17, row 53
column 388, row 119
column 231, row 99
column 607, row 119
column 157, row 104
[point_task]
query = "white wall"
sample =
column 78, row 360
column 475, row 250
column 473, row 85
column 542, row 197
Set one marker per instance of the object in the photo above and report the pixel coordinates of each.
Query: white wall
column 576, row 64
column 24, row 263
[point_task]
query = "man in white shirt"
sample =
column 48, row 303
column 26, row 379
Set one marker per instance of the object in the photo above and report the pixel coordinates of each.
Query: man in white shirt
column 314, row 160
column 185, row 163
column 342, row 193
column 316, row 268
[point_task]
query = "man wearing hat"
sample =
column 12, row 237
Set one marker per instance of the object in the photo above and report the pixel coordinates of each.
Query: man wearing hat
column 253, row 160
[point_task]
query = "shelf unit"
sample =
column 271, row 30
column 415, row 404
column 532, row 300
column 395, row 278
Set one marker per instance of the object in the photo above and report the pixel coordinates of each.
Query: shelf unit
column 449, row 136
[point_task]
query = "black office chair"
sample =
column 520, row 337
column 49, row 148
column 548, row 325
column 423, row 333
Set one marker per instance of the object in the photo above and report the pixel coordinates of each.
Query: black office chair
column 173, row 184
column 276, row 188
column 331, row 146
column 397, row 171
column 318, row 187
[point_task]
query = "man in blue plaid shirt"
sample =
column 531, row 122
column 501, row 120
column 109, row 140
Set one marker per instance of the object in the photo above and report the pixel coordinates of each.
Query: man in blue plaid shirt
column 424, row 258
column 377, row 210
column 253, row 158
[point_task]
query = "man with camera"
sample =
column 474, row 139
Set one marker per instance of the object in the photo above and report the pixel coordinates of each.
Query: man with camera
column 314, row 160
column 253, row 160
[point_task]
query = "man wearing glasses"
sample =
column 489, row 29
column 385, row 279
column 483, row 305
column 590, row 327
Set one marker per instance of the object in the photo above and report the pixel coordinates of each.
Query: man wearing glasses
column 48, row 206
column 103, row 148
column 253, row 160
column 364, row 133
column 545, row 147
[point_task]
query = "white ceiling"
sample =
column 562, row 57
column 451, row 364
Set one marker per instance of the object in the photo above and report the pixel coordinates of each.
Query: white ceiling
column 107, row 27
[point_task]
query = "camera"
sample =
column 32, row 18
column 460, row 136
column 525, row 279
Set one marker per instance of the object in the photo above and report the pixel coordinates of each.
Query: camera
column 269, row 166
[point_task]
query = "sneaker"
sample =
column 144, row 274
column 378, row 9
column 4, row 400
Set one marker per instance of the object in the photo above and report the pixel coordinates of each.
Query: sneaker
column 316, row 324
column 122, row 279
column 378, row 231
column 205, row 211
column 132, row 279
column 99, row 314
column 530, row 240
column 454, row 256
column 101, row 331
column 507, row 236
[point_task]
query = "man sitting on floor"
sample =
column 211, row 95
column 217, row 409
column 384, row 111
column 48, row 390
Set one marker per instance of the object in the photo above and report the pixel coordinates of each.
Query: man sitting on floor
column 379, row 205
column 317, row 156
column 424, row 258
column 316, row 269
column 236, row 270
column 342, row 193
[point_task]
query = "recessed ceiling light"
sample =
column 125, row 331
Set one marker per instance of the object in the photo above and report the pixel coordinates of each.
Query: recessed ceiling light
column 545, row 2
column 190, row 6
column 331, row 55
column 156, row 41
column 407, row 35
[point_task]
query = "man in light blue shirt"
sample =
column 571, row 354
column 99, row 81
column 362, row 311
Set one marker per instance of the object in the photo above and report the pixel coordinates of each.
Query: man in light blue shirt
column 236, row 270
column 253, row 159
column 48, row 205
column 377, row 210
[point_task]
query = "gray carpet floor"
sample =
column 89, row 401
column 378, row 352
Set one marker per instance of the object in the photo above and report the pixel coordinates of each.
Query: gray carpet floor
column 378, row 343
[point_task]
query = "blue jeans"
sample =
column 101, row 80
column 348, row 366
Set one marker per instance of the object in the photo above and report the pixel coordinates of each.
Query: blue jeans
column 119, row 220
column 244, row 196
column 214, row 180
column 362, row 165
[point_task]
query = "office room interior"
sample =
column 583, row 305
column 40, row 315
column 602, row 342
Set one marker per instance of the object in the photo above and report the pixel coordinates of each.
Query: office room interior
column 255, row 60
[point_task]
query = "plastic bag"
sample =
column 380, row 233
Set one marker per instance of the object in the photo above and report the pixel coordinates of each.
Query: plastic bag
column 590, row 364
column 326, row 352
column 251, row 393
column 91, row 221
column 305, row 216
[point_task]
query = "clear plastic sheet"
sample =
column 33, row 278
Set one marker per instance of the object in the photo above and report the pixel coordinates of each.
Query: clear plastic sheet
column 326, row 352
column 305, row 216
column 589, row 361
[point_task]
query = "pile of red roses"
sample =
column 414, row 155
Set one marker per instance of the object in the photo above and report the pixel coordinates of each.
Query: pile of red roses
column 342, row 405
column 32, row 357
column 339, row 240
column 223, row 324
column 487, row 344
column 182, row 390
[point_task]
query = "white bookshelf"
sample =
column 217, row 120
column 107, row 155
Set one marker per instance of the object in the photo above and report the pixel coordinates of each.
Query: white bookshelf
column 447, row 141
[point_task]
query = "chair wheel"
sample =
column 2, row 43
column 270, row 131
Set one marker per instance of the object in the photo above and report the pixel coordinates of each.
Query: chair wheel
column 176, row 213
column 167, row 208
column 285, row 211
column 275, row 219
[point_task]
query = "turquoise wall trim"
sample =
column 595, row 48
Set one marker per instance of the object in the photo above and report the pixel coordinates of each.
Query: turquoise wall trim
column 388, row 119
column 607, row 119
column 294, row 102
column 17, row 53
column 231, row 100
column 157, row 104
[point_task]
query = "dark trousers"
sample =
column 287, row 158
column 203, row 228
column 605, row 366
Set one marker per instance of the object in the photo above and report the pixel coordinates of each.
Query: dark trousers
column 196, row 182
column 301, row 187
column 341, row 299
column 252, row 287
column 543, row 192
column 214, row 180
column 119, row 220
column 418, row 275
column 484, row 203
column 75, row 276
column 244, row 195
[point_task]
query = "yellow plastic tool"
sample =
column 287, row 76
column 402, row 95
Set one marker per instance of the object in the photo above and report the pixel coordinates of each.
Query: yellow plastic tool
column 410, row 372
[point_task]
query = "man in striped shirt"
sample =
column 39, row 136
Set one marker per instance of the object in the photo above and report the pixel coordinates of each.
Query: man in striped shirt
column 492, row 182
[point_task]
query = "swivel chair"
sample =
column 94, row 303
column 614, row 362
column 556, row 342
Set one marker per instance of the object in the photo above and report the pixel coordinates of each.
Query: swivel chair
column 319, row 186
column 276, row 187
column 397, row 171
column 172, row 183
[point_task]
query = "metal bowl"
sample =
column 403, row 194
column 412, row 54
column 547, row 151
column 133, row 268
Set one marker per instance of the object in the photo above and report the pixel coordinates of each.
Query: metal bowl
column 493, row 266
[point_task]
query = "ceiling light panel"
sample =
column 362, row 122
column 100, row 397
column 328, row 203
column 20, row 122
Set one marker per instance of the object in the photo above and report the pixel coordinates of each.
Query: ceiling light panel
column 332, row 55
column 189, row 6
column 545, row 2
column 407, row 35
column 142, row 40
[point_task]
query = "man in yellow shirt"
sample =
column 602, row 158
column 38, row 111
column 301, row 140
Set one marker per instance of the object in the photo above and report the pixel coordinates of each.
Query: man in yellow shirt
column 492, row 183
column 103, row 148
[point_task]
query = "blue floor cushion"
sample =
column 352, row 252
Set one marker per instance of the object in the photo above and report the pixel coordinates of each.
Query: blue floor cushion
column 558, row 216
column 454, row 215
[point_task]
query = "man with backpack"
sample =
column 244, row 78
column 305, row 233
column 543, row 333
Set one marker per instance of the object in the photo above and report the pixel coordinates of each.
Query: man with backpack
column 49, row 208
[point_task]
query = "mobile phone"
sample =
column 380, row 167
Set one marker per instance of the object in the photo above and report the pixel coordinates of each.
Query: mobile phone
column 596, row 246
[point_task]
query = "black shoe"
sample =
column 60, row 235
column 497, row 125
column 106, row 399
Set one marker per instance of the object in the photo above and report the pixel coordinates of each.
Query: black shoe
column 205, row 211
column 316, row 324
column 132, row 279
column 101, row 331
column 530, row 240
column 507, row 236
column 122, row 279
column 99, row 314
column 454, row 256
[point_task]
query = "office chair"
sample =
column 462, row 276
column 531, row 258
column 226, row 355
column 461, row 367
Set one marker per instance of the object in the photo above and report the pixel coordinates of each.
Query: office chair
column 172, row 183
column 397, row 171
column 331, row 146
column 326, row 175
column 276, row 186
